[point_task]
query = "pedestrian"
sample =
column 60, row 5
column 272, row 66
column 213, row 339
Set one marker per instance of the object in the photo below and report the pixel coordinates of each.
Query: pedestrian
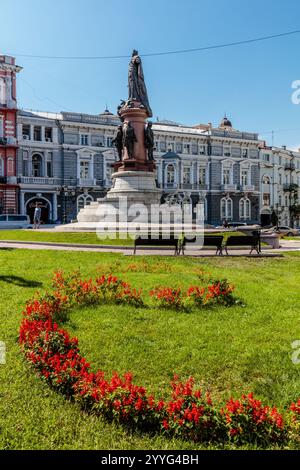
column 37, row 216
column 225, row 223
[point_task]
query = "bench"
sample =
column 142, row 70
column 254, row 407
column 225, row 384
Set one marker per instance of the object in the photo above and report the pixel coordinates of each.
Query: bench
column 208, row 240
column 140, row 241
column 252, row 241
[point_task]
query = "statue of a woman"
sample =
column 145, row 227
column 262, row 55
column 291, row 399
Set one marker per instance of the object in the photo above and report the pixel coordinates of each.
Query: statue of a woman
column 136, row 82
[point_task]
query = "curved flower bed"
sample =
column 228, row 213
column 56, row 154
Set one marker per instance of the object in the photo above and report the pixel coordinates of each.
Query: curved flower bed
column 188, row 413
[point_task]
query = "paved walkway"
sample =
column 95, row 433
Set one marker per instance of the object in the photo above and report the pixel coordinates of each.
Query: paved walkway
column 287, row 245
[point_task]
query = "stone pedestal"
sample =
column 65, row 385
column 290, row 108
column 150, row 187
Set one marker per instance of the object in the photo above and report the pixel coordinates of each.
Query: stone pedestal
column 134, row 180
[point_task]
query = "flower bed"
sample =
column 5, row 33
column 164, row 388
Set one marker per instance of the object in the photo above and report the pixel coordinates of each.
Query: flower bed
column 189, row 413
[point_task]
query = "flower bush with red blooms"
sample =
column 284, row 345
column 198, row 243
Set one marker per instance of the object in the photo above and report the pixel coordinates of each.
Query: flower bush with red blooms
column 189, row 413
column 166, row 297
column 250, row 421
column 295, row 420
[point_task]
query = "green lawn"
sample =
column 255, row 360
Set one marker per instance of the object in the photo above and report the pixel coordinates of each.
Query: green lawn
column 76, row 237
column 62, row 237
column 230, row 350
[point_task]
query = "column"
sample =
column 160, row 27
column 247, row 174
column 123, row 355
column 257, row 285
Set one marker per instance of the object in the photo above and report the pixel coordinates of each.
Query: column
column 31, row 132
column 45, row 163
column 22, row 205
column 54, row 207
column 43, row 134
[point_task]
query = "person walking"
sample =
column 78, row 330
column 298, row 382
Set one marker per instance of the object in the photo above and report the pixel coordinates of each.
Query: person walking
column 37, row 216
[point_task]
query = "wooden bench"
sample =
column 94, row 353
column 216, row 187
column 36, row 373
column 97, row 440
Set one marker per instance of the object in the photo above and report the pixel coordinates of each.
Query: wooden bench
column 208, row 240
column 172, row 241
column 252, row 241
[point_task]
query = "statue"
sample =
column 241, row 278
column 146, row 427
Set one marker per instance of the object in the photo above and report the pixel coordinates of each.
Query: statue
column 149, row 141
column 129, row 138
column 136, row 83
column 118, row 141
column 121, row 105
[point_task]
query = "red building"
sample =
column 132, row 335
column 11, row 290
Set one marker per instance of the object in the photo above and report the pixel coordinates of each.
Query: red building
column 8, row 135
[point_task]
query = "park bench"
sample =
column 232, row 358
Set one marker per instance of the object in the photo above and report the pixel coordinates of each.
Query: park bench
column 208, row 240
column 252, row 241
column 171, row 241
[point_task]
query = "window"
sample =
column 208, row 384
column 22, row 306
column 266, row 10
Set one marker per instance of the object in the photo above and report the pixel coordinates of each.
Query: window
column 49, row 165
column 178, row 147
column 245, row 153
column 109, row 141
column 83, row 200
column 156, row 145
column 244, row 177
column 226, row 208
column 37, row 165
column 245, row 208
column 186, row 148
column 280, row 178
column 48, row 134
column 2, row 91
column 170, row 174
column 162, row 146
column 37, row 133
column 10, row 167
column 266, row 157
column 186, row 175
column 227, row 151
column 201, row 149
column 279, row 200
column 25, row 163
column 84, row 169
column 1, row 128
column 202, row 175
column 286, row 201
column 266, row 180
column 280, row 160
column 171, row 147
column 266, row 199
column 226, row 176
column 26, row 131
column 84, row 139
column 1, row 167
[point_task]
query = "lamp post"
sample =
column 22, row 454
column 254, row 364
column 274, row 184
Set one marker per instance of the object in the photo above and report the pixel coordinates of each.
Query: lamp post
column 65, row 192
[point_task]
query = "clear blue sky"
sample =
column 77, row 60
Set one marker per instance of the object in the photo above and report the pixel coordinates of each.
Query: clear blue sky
column 252, row 83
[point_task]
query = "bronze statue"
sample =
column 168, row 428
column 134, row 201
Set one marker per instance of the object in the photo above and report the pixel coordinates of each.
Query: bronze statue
column 149, row 141
column 121, row 105
column 129, row 138
column 136, row 82
column 118, row 141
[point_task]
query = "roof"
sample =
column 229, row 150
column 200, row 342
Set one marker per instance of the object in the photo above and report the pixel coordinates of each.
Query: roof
column 39, row 114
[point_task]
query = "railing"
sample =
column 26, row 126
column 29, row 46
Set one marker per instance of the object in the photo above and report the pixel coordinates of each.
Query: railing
column 247, row 187
column 290, row 166
column 39, row 180
column 228, row 187
column 291, row 187
column 84, row 183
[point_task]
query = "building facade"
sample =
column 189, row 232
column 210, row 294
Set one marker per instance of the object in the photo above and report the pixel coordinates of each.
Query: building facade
column 8, row 135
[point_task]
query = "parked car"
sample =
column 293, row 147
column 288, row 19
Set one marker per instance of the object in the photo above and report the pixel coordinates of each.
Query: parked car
column 11, row 221
column 285, row 230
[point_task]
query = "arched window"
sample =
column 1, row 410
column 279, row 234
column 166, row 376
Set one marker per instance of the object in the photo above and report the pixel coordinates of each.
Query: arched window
column 10, row 167
column 226, row 208
column 245, row 209
column 1, row 167
column 2, row 91
column 83, row 200
column 37, row 165
column 170, row 174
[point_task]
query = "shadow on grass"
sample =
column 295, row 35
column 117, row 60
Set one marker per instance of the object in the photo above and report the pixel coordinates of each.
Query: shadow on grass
column 20, row 281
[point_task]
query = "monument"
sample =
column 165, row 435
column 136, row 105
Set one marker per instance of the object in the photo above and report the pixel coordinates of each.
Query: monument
column 134, row 179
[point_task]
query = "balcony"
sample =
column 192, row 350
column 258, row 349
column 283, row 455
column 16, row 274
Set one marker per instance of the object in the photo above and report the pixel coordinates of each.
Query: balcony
column 228, row 187
column 247, row 188
column 39, row 180
column 292, row 187
column 290, row 166
column 86, row 183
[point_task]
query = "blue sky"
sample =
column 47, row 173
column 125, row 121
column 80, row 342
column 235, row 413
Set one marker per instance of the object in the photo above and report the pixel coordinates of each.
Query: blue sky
column 251, row 83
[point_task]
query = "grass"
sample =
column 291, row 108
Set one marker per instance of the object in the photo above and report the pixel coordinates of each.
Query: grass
column 70, row 237
column 230, row 350
column 61, row 237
